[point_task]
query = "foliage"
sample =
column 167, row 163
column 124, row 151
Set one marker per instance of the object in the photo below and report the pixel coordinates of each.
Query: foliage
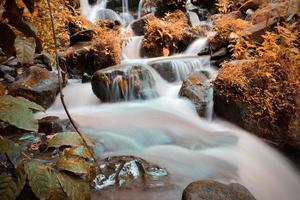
column 25, row 48
column 268, row 77
column 65, row 178
column 166, row 32
column 17, row 111
column 12, row 20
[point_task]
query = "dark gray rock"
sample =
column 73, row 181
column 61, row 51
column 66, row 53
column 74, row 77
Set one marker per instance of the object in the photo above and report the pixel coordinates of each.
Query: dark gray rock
column 37, row 85
column 123, row 84
column 196, row 88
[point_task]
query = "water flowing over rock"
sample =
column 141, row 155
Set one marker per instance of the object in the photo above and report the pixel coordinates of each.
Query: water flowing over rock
column 175, row 70
column 123, row 84
column 130, row 173
column 196, row 88
column 212, row 190
column 38, row 85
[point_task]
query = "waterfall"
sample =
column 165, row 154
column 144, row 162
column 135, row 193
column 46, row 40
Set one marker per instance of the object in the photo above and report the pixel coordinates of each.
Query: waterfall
column 146, row 118
column 141, row 4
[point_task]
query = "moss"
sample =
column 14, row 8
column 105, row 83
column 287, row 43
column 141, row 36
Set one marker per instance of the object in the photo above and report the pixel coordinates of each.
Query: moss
column 266, row 86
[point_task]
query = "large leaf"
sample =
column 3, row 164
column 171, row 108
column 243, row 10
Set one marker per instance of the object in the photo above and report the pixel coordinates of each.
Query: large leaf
column 22, row 101
column 68, row 139
column 12, row 150
column 25, row 49
column 39, row 179
column 75, row 188
column 12, row 185
column 74, row 164
column 17, row 112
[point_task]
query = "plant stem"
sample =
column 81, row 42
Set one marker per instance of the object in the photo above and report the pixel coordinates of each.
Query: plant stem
column 60, row 82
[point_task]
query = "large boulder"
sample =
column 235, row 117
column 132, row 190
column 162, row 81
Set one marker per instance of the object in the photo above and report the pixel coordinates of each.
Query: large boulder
column 36, row 84
column 197, row 89
column 261, row 97
column 123, row 84
column 213, row 190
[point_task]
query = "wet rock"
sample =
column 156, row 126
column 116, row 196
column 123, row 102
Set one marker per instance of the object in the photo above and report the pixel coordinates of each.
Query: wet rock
column 212, row 190
column 87, row 57
column 52, row 124
column 165, row 70
column 196, row 88
column 36, row 84
column 43, row 59
column 117, row 5
column 166, row 6
column 81, row 36
column 94, row 47
column 130, row 173
column 138, row 26
column 7, row 70
column 123, row 84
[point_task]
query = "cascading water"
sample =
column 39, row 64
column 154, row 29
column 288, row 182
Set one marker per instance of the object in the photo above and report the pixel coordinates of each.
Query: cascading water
column 166, row 130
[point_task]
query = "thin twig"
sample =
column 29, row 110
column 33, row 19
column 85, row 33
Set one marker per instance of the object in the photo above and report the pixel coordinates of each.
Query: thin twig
column 60, row 83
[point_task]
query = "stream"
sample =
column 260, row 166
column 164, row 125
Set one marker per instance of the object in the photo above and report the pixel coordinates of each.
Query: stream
column 165, row 129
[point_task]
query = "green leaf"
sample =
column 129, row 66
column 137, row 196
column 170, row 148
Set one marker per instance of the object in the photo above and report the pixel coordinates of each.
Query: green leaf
column 68, row 139
column 22, row 101
column 39, row 178
column 80, row 151
column 11, row 187
column 10, row 148
column 25, row 49
column 44, row 182
column 17, row 112
column 74, row 164
column 75, row 188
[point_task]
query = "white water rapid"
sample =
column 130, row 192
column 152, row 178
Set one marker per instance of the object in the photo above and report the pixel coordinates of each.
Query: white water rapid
column 167, row 131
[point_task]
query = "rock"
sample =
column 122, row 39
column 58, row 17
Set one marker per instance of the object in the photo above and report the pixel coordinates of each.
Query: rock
column 81, row 36
column 7, row 70
column 196, row 88
column 37, row 85
column 168, row 6
column 138, row 26
column 43, row 59
column 165, row 70
column 169, row 35
column 94, row 47
column 117, row 5
column 251, row 4
column 123, row 84
column 52, row 124
column 249, row 95
column 130, row 173
column 212, row 190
